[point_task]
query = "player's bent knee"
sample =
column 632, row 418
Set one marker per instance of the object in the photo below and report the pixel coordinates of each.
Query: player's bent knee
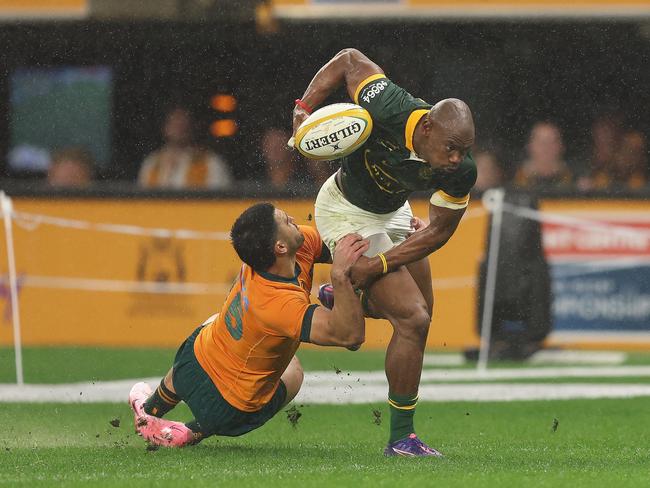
column 415, row 325
column 292, row 378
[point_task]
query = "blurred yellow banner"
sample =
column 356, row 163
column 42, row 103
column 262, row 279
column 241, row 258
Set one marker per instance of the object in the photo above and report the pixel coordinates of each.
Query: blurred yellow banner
column 104, row 272
column 89, row 286
column 344, row 9
column 43, row 8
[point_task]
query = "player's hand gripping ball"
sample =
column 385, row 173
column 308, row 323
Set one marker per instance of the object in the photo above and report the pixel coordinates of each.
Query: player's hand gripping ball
column 333, row 131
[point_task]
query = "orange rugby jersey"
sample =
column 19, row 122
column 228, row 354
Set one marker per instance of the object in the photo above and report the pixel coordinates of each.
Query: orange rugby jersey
column 261, row 324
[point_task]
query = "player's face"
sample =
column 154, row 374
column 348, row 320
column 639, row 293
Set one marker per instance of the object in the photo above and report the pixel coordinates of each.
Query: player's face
column 445, row 150
column 288, row 231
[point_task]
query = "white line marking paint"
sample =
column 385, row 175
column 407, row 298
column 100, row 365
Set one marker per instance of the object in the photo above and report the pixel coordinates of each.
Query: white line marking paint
column 545, row 356
column 447, row 375
column 366, row 387
column 550, row 356
column 474, row 392
column 443, row 360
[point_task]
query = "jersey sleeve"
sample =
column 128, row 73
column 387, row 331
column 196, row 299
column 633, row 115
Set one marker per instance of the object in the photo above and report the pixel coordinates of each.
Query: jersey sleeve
column 454, row 190
column 391, row 107
column 289, row 315
column 313, row 245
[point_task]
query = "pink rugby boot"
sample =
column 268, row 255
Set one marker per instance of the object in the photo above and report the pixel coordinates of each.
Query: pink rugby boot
column 137, row 396
column 159, row 432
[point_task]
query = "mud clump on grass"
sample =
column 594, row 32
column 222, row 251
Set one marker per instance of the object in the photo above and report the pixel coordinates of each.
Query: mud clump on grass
column 293, row 414
column 376, row 417
column 115, row 422
column 556, row 422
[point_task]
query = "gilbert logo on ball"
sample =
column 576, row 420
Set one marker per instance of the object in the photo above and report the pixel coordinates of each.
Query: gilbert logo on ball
column 333, row 131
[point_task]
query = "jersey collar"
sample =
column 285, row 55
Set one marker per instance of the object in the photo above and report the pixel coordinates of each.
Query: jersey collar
column 412, row 121
column 281, row 279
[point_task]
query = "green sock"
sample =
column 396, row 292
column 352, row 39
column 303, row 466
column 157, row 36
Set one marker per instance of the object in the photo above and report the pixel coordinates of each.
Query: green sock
column 161, row 401
column 194, row 426
column 402, row 409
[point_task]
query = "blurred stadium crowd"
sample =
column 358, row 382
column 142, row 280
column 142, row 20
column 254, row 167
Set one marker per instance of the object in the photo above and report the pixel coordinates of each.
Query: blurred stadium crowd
column 617, row 160
column 558, row 106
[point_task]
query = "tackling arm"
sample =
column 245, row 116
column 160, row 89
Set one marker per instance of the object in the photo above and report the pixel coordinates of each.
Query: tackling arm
column 344, row 325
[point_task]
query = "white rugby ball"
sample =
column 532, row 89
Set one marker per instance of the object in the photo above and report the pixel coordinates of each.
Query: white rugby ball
column 333, row 131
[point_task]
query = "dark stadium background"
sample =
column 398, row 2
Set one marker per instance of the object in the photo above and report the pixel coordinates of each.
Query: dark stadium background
column 511, row 73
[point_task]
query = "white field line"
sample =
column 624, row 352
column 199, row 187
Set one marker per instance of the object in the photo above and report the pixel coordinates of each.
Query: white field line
column 447, row 359
column 367, row 387
column 344, row 392
column 545, row 356
column 550, row 356
column 474, row 392
column 450, row 375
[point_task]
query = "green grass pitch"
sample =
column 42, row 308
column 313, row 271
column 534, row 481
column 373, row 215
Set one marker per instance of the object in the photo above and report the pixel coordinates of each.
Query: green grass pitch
column 596, row 443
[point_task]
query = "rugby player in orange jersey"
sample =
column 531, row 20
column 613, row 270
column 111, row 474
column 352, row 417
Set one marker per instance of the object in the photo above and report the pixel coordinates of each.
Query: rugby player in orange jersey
column 238, row 369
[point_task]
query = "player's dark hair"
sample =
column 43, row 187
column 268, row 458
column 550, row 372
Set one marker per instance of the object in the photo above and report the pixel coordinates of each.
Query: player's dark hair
column 253, row 236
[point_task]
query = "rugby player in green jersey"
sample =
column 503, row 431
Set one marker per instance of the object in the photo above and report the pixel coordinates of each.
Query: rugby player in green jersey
column 414, row 146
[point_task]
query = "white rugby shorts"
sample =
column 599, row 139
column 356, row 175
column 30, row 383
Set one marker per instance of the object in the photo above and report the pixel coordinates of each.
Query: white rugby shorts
column 336, row 216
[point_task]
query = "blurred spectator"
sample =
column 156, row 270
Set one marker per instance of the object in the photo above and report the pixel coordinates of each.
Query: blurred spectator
column 71, row 168
column 490, row 172
column 544, row 166
column 181, row 163
column 618, row 159
column 606, row 134
column 279, row 160
column 285, row 167
column 631, row 161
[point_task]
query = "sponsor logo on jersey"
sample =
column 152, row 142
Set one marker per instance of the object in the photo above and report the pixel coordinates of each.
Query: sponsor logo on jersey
column 372, row 90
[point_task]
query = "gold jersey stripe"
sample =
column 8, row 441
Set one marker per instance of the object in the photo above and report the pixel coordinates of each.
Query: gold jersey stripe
column 412, row 121
column 364, row 83
column 442, row 199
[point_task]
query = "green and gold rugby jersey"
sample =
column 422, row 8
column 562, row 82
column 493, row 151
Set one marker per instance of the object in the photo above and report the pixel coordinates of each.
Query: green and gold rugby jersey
column 381, row 174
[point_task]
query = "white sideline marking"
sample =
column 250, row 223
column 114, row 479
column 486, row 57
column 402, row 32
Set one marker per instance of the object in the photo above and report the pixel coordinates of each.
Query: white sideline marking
column 343, row 392
column 547, row 356
column 447, row 359
column 447, row 375
column 371, row 386
column 474, row 392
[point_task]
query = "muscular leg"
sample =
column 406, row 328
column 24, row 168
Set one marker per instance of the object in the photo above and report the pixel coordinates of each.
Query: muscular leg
column 292, row 379
column 421, row 273
column 397, row 297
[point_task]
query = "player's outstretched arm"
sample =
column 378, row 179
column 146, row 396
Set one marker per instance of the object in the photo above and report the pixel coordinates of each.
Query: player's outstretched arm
column 343, row 325
column 349, row 66
column 443, row 224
